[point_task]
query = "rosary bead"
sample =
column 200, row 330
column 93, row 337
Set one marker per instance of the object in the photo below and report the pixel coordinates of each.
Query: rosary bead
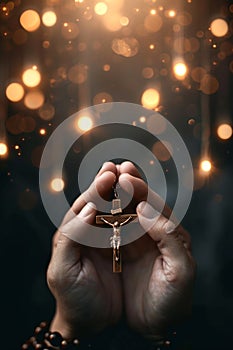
column 55, row 339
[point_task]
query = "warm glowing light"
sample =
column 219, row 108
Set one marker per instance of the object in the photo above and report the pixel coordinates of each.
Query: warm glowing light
column 171, row 13
column 101, row 8
column 3, row 149
column 30, row 20
column 150, row 98
column 153, row 12
column 151, row 46
column 180, row 70
column 124, row 21
column 34, row 99
column 42, row 131
column 205, row 165
column 31, row 77
column 142, row 119
column 85, row 123
column 224, row 131
column 14, row 92
column 49, row 18
column 219, row 27
column 57, row 184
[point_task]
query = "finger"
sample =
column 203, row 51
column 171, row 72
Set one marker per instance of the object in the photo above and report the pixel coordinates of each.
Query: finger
column 129, row 168
column 176, row 260
column 66, row 249
column 100, row 188
column 107, row 166
column 139, row 190
column 160, row 228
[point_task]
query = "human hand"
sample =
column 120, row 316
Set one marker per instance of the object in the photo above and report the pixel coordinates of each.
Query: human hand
column 88, row 295
column 158, row 271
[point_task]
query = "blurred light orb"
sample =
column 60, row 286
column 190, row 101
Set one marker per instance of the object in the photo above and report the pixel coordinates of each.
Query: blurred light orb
column 34, row 99
column 171, row 13
column 150, row 98
column 219, row 27
column 124, row 21
column 205, row 165
column 14, row 92
column 224, row 131
column 153, row 23
column 42, row 132
column 31, row 77
column 49, row 18
column 30, row 20
column 112, row 21
column 126, row 47
column 147, row 72
column 162, row 150
column 180, row 70
column 57, row 184
column 3, row 149
column 101, row 8
column 85, row 123
column 209, row 84
column 47, row 111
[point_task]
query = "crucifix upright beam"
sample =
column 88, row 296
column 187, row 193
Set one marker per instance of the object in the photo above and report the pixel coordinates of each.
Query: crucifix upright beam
column 116, row 220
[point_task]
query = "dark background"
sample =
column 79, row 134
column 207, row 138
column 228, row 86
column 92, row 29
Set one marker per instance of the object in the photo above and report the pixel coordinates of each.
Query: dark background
column 26, row 230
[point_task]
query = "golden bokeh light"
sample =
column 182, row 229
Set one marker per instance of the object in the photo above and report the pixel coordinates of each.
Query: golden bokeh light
column 85, row 123
column 14, row 92
column 150, row 98
column 219, row 27
column 101, row 8
column 147, row 72
column 127, row 47
column 180, row 70
column 30, row 20
column 153, row 23
column 209, row 84
column 57, row 184
column 112, row 21
column 3, row 149
column 162, row 150
column 102, row 97
column 42, row 131
column 49, row 18
column 31, row 77
column 47, row 111
column 224, row 131
column 124, row 21
column 34, row 99
column 205, row 165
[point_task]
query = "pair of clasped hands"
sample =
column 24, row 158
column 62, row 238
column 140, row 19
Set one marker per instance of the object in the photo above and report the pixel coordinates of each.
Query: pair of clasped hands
column 154, row 289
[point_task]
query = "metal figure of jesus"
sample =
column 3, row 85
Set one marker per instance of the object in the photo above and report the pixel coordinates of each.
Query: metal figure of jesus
column 116, row 221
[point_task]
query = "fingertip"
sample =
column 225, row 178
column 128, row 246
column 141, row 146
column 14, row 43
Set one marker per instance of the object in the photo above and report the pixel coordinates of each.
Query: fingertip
column 107, row 166
column 129, row 168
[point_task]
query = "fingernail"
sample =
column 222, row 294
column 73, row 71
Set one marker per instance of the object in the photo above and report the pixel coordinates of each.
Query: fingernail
column 146, row 210
column 87, row 210
column 169, row 227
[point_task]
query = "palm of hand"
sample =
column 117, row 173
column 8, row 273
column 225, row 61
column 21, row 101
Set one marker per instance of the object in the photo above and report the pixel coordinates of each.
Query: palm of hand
column 91, row 293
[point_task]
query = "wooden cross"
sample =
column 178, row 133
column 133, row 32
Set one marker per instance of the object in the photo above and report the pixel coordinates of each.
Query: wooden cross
column 116, row 219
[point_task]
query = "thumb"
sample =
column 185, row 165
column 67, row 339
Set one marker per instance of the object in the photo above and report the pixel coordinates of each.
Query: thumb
column 67, row 249
column 173, row 242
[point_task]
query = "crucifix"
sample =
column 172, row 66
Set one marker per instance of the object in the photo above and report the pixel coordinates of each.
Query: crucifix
column 116, row 220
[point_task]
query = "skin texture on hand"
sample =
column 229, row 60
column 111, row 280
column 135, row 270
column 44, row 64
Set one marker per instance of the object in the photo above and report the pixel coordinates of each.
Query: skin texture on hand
column 158, row 279
column 155, row 288
column 88, row 294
